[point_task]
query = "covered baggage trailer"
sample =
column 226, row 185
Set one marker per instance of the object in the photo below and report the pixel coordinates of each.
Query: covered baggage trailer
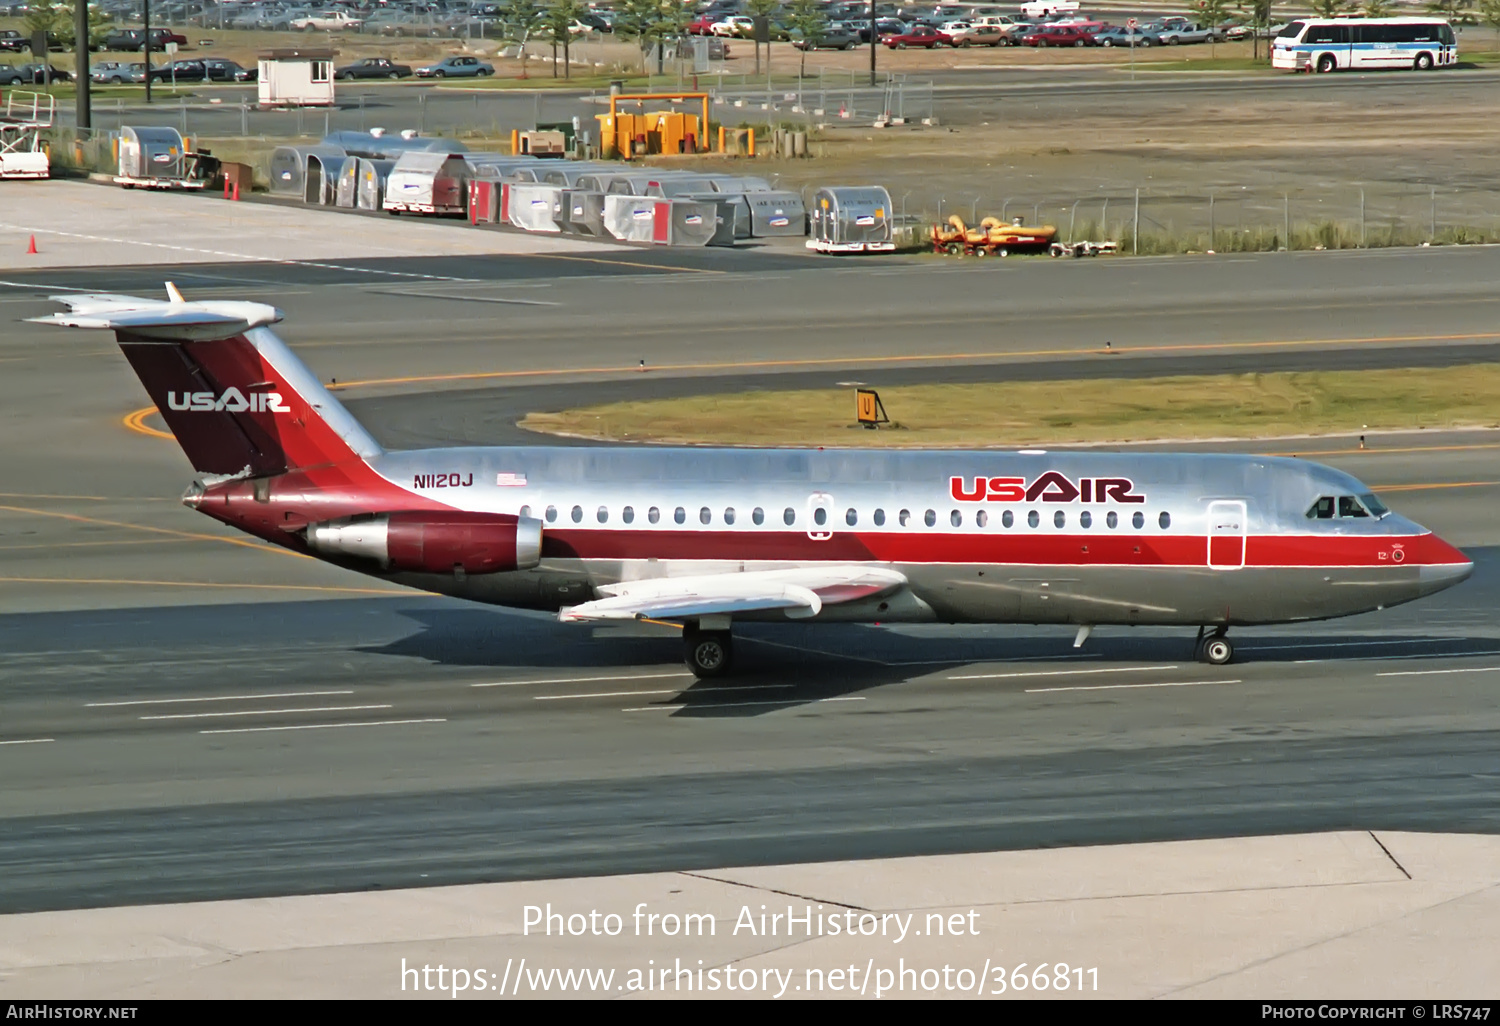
column 320, row 186
column 154, row 157
column 777, row 213
column 378, row 143
column 739, row 183
column 583, row 213
column 533, row 206
column 851, row 219
column 369, row 191
column 569, row 172
column 734, row 208
column 663, row 222
column 427, row 182
column 289, row 167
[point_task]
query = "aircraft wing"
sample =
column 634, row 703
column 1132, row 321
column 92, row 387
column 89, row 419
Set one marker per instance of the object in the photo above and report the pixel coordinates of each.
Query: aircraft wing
column 801, row 592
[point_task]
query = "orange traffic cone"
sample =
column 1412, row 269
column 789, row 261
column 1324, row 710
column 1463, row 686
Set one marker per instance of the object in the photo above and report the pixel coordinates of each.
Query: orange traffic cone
column 31, row 249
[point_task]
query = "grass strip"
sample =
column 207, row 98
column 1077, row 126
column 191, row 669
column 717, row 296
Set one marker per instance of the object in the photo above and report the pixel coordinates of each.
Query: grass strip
column 1007, row 415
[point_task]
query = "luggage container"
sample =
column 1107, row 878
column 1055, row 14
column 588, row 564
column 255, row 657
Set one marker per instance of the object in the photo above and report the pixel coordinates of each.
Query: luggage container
column 777, row 213
column 664, row 222
column 150, row 154
column 370, row 192
column 323, row 172
column 739, row 183
column 686, row 185
column 484, row 201
column 427, row 182
column 851, row 219
column 379, row 144
column 569, row 173
column 534, row 206
column 346, row 193
column 734, row 210
column 583, row 213
column 289, row 167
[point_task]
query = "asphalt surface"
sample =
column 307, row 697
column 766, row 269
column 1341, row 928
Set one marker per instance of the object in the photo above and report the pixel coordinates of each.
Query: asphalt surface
column 382, row 738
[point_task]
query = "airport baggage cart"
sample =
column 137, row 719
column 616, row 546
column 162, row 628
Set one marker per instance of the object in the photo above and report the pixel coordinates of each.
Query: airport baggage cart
column 25, row 116
column 427, row 182
column 535, row 207
column 851, row 219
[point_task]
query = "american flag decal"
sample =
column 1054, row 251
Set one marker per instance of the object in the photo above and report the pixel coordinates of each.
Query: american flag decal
column 511, row 480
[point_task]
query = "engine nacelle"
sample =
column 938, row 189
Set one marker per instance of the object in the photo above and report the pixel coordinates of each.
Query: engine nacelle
column 435, row 543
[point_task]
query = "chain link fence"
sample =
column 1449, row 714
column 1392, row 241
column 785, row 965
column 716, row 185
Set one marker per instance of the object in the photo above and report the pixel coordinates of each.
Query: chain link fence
column 1231, row 219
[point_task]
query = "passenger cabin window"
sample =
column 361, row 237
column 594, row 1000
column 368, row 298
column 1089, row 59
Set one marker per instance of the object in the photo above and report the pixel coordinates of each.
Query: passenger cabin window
column 789, row 517
column 981, row 519
column 525, row 511
column 956, row 518
column 880, row 518
column 551, row 514
column 820, row 516
column 729, row 515
column 1007, row 519
column 758, row 515
column 930, row 518
column 577, row 514
column 705, row 515
column 679, row 515
column 1085, row 520
column 1164, row 521
column 654, row 515
column 1059, row 519
column 1033, row 518
column 1111, row 520
column 1138, row 521
column 904, row 517
column 628, row 514
column 603, row 514
column 851, row 517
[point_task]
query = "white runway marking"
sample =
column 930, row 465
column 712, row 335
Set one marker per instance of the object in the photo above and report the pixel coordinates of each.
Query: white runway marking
column 318, row 726
column 1116, row 687
column 1061, row 673
column 29, row 741
column 1424, row 673
column 265, row 712
column 582, row 680
column 215, row 698
column 1414, row 655
column 663, row 691
column 731, row 705
column 1342, row 644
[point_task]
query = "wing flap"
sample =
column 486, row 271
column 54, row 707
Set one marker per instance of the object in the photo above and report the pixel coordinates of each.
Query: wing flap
column 801, row 593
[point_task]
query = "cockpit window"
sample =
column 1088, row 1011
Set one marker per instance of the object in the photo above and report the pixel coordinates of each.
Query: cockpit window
column 1349, row 507
column 1322, row 509
column 1374, row 505
column 1346, row 507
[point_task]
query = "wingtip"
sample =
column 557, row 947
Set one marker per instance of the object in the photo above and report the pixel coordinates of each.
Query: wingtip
column 173, row 295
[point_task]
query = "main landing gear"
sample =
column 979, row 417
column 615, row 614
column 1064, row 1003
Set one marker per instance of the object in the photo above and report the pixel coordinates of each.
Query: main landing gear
column 1216, row 649
column 707, row 653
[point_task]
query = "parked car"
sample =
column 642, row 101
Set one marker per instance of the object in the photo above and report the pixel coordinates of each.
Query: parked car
column 1118, row 35
column 834, row 37
column 135, row 39
column 703, row 26
column 1058, row 35
column 1186, row 32
column 966, row 33
column 118, row 72
column 1048, row 8
column 180, row 71
column 327, row 21
column 12, row 41
column 918, row 35
column 860, row 28
column 733, row 26
column 457, row 67
column 31, row 74
column 222, row 70
column 373, row 67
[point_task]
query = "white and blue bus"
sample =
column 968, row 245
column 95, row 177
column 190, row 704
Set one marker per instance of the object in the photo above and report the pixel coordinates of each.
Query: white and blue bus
column 1323, row 45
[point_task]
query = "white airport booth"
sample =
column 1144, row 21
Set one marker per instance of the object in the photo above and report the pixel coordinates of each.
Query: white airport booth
column 296, row 78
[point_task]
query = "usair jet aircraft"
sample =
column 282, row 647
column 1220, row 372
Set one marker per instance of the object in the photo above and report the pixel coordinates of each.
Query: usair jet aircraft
column 703, row 537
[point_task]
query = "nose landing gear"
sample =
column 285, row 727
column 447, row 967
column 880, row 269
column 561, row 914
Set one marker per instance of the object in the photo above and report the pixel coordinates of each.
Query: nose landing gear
column 1216, row 649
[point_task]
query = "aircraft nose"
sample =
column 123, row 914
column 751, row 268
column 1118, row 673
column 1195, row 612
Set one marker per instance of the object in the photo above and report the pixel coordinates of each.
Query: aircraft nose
column 1434, row 577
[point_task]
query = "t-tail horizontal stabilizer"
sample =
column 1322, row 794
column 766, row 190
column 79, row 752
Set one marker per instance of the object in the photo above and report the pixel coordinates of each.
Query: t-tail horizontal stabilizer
column 172, row 319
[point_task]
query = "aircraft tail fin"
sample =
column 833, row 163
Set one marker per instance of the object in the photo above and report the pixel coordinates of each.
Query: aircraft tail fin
column 236, row 398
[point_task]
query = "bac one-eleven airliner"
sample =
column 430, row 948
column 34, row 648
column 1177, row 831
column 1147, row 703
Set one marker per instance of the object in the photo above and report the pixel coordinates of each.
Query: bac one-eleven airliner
column 704, row 537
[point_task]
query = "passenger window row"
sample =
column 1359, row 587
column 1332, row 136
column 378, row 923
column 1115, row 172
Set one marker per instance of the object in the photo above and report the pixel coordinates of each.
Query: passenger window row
column 981, row 519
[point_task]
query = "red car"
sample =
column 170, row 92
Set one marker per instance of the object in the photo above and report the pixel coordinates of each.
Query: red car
column 703, row 26
column 917, row 35
column 1060, row 35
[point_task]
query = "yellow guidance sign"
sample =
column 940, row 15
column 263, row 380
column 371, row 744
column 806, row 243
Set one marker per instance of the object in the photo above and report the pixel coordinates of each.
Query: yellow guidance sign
column 868, row 409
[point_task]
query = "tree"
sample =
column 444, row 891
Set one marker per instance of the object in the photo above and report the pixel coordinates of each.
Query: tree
column 1212, row 13
column 762, row 9
column 650, row 22
column 558, row 26
column 1329, row 8
column 806, row 17
column 1378, row 8
column 1489, row 13
column 64, row 25
column 1259, row 12
column 519, row 21
column 1453, row 10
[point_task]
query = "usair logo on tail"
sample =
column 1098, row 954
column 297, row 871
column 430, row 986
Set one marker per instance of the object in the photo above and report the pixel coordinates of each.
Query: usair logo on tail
column 232, row 401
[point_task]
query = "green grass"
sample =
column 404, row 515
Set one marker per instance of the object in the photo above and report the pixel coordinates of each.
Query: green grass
column 1100, row 410
column 1211, row 64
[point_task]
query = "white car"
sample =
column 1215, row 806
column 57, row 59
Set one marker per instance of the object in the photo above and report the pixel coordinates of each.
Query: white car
column 327, row 21
column 733, row 26
column 1047, row 8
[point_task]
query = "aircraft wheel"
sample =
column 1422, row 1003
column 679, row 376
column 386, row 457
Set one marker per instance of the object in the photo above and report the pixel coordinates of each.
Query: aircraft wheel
column 707, row 653
column 1216, row 651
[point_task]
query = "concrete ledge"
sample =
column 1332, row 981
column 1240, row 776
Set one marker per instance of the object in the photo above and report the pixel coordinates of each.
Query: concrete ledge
column 1334, row 915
